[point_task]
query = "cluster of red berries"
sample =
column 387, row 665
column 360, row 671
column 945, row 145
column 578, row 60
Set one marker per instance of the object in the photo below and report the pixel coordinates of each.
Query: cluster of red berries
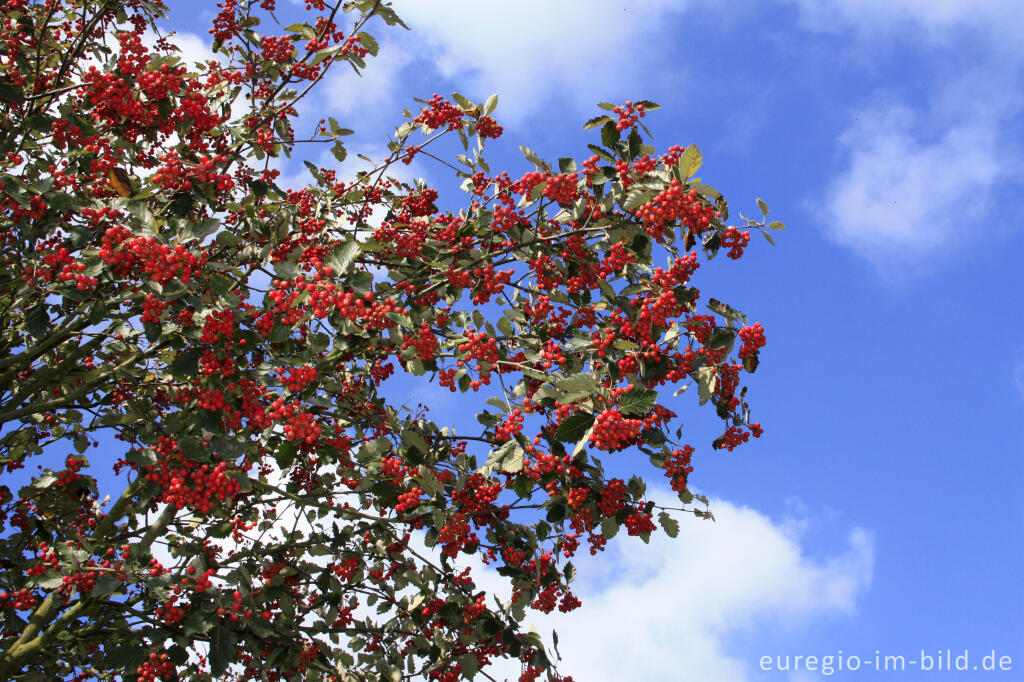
column 299, row 427
column 157, row 667
column 83, row 582
column 47, row 560
column 421, row 203
column 617, row 259
column 218, row 324
column 551, row 354
column 70, row 474
column 614, row 432
column 487, row 127
column 753, row 340
column 677, row 467
column 440, row 112
column 562, row 188
column 577, row 497
column 195, row 487
column 410, row 500
column 512, row 425
column 153, row 308
column 477, row 495
column 732, row 437
column 735, row 241
column 20, row 600
column 674, row 204
column 628, row 115
column 425, row 343
column 296, row 378
column 162, row 263
column 639, row 523
column 612, row 497
column 277, row 48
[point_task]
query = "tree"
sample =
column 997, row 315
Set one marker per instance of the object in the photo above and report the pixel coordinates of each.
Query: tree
column 278, row 516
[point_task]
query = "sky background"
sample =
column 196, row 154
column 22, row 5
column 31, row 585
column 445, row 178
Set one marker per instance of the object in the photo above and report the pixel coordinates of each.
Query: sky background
column 882, row 509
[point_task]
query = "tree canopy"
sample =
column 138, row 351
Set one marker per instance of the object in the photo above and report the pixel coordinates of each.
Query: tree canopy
column 198, row 358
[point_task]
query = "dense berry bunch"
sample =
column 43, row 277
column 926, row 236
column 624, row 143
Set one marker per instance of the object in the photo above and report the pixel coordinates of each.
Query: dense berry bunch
column 439, row 113
column 628, row 115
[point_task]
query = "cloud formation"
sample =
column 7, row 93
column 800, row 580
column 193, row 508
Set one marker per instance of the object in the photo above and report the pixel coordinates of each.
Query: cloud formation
column 904, row 196
column 938, row 21
column 534, row 52
column 650, row 611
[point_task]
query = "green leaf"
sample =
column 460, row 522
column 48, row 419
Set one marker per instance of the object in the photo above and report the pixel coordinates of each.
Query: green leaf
column 726, row 310
column 342, row 258
column 763, row 206
column 578, row 383
column 601, row 152
column 222, row 649
column 532, row 157
column 37, row 321
column 186, row 364
column 638, row 198
column 123, row 654
column 285, row 455
column 413, row 441
column 670, row 525
column 721, row 338
column 556, row 511
column 204, row 228
column 607, row 106
column 336, row 129
column 597, row 121
column 690, row 161
column 609, row 527
column 573, row 427
column 491, row 104
column 286, row 269
column 706, row 190
column 11, row 93
column 369, row 42
column 707, row 379
column 609, row 135
column 638, row 401
column 339, row 151
column 635, row 142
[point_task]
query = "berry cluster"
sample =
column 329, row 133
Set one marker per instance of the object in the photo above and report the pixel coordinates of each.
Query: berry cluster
column 735, row 241
column 614, row 432
column 753, row 340
column 488, row 128
column 628, row 115
column 296, row 378
column 439, row 112
column 425, row 343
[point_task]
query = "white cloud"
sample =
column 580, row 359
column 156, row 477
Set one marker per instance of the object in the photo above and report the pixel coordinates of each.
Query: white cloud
column 532, row 52
column 903, row 195
column 364, row 95
column 938, row 21
column 1018, row 377
column 650, row 611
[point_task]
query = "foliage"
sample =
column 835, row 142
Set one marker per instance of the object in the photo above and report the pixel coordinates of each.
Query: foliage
column 280, row 517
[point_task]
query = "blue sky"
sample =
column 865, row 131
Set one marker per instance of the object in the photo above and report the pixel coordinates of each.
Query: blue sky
column 882, row 508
